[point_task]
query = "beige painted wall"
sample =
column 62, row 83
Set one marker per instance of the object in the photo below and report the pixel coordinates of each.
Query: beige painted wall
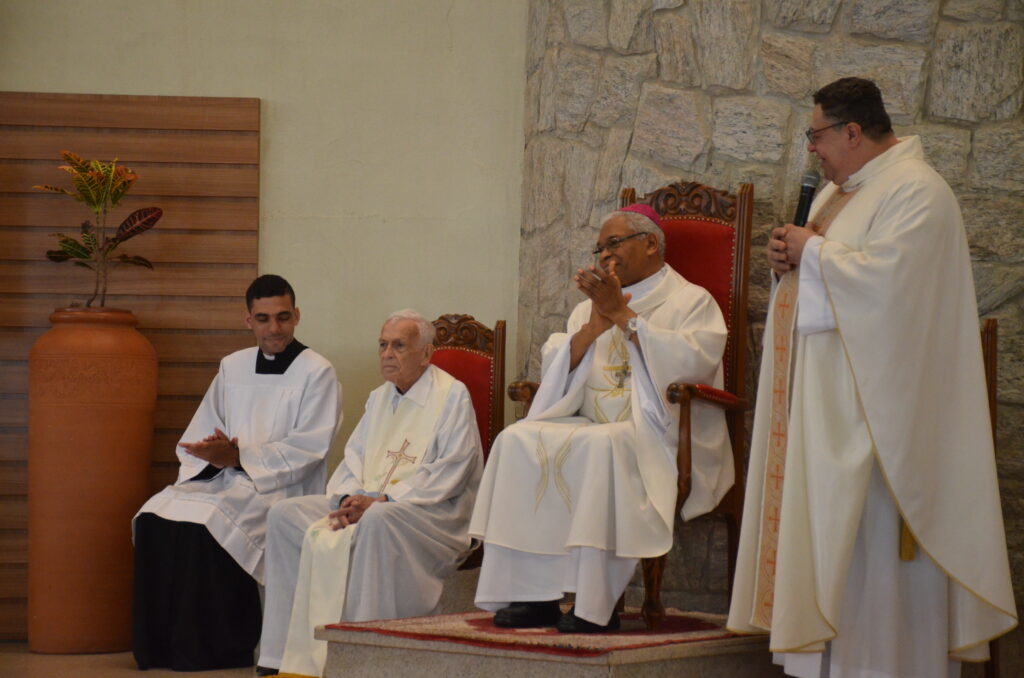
column 391, row 139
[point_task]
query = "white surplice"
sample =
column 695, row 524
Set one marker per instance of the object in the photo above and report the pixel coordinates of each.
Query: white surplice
column 888, row 417
column 284, row 424
column 585, row 485
column 394, row 561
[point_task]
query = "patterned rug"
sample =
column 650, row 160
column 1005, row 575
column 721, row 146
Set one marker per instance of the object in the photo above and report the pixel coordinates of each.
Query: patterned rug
column 475, row 628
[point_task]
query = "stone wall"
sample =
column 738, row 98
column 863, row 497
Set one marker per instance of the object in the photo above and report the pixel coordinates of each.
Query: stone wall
column 642, row 92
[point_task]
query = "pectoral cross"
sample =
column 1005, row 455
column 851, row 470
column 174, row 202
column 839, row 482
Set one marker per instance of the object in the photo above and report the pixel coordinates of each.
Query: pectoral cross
column 397, row 457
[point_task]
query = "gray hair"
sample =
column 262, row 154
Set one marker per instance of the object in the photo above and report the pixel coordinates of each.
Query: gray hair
column 640, row 224
column 423, row 326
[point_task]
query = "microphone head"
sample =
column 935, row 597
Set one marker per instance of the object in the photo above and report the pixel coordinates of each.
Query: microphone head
column 810, row 179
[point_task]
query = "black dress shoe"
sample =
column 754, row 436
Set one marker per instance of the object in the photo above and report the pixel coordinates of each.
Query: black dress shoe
column 528, row 615
column 570, row 623
column 266, row 671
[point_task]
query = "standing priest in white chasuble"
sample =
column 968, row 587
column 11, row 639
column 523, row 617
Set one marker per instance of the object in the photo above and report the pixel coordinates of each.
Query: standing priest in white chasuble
column 586, row 485
column 393, row 524
column 872, row 413
column 260, row 435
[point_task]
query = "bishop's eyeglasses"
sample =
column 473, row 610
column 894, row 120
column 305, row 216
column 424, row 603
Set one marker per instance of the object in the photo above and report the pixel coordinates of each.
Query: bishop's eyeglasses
column 613, row 243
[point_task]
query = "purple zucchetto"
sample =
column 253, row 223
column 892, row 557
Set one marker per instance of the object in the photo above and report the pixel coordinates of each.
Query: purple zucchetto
column 645, row 210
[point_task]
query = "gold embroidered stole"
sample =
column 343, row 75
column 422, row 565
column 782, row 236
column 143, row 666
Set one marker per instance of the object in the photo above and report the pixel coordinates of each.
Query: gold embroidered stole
column 783, row 318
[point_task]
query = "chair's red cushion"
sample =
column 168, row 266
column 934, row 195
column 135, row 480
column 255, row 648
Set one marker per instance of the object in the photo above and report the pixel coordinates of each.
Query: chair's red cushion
column 476, row 370
column 703, row 251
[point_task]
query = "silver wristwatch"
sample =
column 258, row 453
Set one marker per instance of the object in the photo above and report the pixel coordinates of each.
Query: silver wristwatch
column 631, row 327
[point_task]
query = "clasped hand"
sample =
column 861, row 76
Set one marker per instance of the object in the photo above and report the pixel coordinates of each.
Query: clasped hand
column 609, row 306
column 217, row 449
column 351, row 510
column 786, row 246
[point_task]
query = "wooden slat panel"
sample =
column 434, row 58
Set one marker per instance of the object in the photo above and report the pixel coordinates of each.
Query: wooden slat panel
column 57, row 213
column 14, row 411
column 130, row 112
column 195, row 280
column 13, row 547
column 13, row 619
column 184, row 346
column 174, row 414
column 239, row 247
column 161, row 476
column 203, row 314
column 154, row 180
column 13, row 379
column 164, row 443
column 13, row 444
column 13, row 581
column 241, row 148
column 13, row 515
column 14, row 479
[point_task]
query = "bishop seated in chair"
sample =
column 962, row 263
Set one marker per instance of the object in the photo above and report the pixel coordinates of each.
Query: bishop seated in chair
column 393, row 524
column 260, row 435
column 575, row 494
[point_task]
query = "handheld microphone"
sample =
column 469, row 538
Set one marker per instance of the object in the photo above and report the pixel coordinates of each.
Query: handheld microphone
column 808, row 185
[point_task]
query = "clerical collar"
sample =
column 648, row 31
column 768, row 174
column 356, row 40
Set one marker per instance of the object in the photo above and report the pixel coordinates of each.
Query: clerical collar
column 641, row 289
column 279, row 363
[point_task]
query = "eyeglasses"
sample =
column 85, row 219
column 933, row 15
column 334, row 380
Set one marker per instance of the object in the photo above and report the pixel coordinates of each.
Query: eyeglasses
column 614, row 242
column 811, row 133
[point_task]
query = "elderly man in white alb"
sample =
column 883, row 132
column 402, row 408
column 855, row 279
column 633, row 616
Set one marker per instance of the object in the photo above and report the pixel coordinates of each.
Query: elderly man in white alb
column 392, row 525
column 260, row 435
column 574, row 495
column 871, row 414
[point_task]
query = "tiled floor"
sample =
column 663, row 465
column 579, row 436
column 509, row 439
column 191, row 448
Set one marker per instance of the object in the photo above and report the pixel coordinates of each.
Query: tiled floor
column 17, row 662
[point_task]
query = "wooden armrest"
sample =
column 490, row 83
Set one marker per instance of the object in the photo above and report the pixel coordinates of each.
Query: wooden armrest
column 522, row 391
column 727, row 401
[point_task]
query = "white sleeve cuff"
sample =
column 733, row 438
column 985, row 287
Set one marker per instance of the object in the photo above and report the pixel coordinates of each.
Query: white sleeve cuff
column 814, row 312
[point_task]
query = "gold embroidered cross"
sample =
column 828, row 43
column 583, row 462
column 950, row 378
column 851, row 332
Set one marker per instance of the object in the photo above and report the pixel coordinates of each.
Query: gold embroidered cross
column 398, row 456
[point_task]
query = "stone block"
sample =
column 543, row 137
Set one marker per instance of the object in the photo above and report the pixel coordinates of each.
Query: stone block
column 672, row 126
column 586, row 22
column 1010, row 432
column 898, row 70
column 609, row 166
column 553, row 274
column 787, row 62
column 580, row 168
column 977, row 71
column 1011, row 347
column 643, row 177
column 543, row 176
column 765, row 179
column 667, row 4
column 674, row 41
column 999, row 158
column 726, row 34
column 750, row 128
column 557, row 32
column 807, row 15
column 973, row 10
column 995, row 227
column 536, row 33
column 945, row 148
column 576, row 82
column 546, row 102
column 531, row 103
column 907, row 20
column 619, row 89
column 629, row 26
column 1015, row 10
column 997, row 284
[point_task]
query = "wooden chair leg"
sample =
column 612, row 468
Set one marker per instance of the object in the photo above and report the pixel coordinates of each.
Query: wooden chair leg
column 653, row 611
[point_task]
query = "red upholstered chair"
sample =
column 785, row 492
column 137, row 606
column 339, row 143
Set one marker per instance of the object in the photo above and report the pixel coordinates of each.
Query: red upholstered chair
column 707, row 240
column 475, row 355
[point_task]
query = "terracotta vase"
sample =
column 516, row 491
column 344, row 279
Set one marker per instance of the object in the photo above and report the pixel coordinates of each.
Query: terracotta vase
column 92, row 393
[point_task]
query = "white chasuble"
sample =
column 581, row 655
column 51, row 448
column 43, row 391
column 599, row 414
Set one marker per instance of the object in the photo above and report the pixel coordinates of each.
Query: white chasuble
column 396, row 443
column 594, row 462
column 284, row 424
column 896, row 389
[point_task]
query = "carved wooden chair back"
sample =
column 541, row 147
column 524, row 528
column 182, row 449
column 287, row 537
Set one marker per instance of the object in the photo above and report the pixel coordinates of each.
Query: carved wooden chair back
column 475, row 355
